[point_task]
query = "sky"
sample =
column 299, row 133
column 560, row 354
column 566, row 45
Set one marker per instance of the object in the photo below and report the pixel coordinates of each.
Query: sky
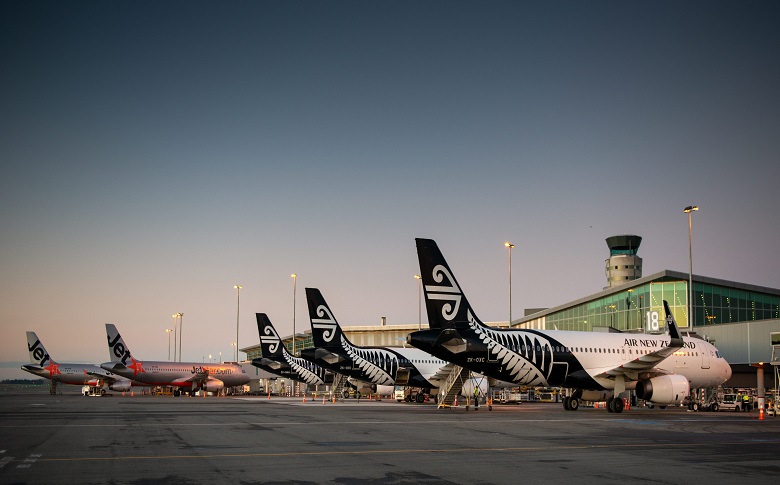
column 155, row 154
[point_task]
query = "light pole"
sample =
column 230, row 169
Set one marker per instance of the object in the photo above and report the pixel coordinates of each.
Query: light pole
column 175, row 340
column 509, row 247
column 688, row 210
column 238, row 306
column 294, row 276
column 419, row 301
column 168, row 331
column 181, row 331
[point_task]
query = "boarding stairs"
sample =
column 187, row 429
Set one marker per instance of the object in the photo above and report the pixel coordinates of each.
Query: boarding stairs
column 452, row 386
column 339, row 381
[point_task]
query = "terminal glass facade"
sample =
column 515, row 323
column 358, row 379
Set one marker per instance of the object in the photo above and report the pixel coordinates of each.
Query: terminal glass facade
column 718, row 304
column 641, row 307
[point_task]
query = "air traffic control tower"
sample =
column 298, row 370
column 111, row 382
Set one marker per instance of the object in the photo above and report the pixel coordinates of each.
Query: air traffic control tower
column 623, row 264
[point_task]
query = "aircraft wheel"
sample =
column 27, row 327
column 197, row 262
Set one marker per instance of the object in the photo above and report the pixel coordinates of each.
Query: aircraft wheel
column 574, row 404
column 420, row 398
column 714, row 407
column 617, row 405
column 695, row 406
column 566, row 401
column 610, row 404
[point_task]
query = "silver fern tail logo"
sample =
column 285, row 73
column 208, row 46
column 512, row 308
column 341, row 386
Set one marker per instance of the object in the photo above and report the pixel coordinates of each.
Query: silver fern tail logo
column 526, row 357
column 271, row 339
column 448, row 291
column 326, row 323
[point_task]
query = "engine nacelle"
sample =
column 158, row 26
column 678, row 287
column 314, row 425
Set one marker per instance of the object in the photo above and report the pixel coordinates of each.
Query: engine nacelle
column 120, row 386
column 213, row 385
column 664, row 389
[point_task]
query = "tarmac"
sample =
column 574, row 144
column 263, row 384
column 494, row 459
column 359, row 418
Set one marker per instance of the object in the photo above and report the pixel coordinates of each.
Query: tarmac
column 70, row 438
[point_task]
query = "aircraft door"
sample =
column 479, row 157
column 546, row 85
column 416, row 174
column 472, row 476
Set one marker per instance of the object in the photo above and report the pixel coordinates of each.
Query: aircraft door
column 705, row 358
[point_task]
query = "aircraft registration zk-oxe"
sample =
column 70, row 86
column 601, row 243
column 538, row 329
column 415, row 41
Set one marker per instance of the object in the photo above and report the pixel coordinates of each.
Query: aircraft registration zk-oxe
column 588, row 365
column 377, row 366
column 186, row 376
column 42, row 365
column 277, row 360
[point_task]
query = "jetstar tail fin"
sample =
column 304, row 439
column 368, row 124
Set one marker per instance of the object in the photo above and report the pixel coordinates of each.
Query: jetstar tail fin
column 117, row 349
column 38, row 354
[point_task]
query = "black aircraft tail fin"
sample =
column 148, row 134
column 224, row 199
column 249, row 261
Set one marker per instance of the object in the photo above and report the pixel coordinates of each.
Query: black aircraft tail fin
column 270, row 343
column 445, row 302
column 325, row 330
column 676, row 339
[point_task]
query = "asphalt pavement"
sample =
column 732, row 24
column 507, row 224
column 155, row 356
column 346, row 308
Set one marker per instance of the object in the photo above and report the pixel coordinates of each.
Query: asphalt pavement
column 70, row 438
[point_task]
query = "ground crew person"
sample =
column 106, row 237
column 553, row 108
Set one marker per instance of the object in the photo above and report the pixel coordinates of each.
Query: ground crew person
column 476, row 398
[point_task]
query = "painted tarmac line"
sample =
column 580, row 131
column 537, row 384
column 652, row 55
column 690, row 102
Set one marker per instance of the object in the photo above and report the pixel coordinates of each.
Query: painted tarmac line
column 525, row 449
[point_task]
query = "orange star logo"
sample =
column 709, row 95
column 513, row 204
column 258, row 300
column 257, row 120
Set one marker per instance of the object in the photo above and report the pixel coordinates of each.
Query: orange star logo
column 53, row 369
column 137, row 367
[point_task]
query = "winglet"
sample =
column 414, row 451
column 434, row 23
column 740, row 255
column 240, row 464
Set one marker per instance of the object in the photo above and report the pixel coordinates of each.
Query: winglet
column 676, row 339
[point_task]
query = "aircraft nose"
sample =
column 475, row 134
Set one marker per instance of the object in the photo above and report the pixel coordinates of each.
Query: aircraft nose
column 727, row 370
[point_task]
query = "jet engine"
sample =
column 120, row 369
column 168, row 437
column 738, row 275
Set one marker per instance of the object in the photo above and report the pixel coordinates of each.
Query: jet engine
column 662, row 390
column 120, row 386
column 213, row 385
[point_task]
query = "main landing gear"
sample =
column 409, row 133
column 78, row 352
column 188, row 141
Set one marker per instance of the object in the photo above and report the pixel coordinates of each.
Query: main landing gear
column 615, row 405
column 572, row 403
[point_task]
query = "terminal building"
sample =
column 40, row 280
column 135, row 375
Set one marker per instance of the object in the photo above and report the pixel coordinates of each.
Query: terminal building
column 739, row 318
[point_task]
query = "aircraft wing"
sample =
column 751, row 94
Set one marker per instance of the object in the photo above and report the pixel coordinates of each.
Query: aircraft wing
column 104, row 377
column 199, row 377
column 272, row 364
column 648, row 362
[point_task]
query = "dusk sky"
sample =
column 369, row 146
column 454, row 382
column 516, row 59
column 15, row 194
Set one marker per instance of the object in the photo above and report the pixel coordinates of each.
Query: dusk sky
column 154, row 154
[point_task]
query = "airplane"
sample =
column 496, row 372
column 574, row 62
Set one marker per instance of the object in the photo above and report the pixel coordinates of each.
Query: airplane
column 589, row 366
column 42, row 365
column 382, row 367
column 185, row 376
column 277, row 360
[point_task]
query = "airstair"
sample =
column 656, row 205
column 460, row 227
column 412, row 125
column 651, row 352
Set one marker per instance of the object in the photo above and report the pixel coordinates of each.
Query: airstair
column 452, row 386
column 339, row 381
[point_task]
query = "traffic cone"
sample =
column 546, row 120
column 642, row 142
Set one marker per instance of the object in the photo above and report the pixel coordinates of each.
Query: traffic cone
column 131, row 394
column 123, row 393
column 304, row 398
column 454, row 404
column 269, row 394
column 761, row 414
column 323, row 399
